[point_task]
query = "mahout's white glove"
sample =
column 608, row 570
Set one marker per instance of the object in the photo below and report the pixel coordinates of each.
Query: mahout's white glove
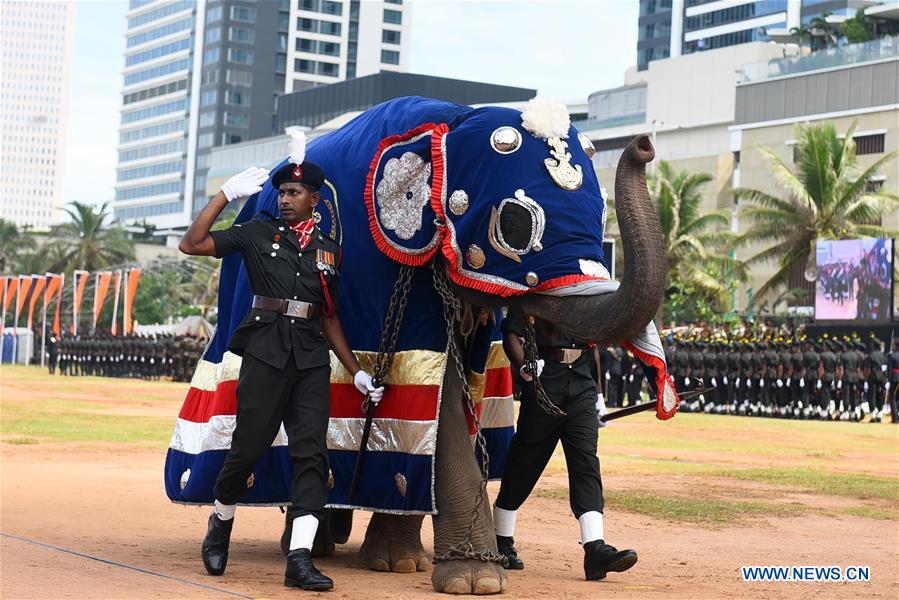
column 523, row 371
column 246, row 183
column 601, row 410
column 365, row 385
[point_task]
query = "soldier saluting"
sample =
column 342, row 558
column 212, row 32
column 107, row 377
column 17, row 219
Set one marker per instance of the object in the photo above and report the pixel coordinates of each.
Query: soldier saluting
column 284, row 339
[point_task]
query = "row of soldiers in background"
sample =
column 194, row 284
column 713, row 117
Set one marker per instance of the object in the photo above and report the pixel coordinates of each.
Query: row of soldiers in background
column 150, row 357
column 829, row 378
column 622, row 375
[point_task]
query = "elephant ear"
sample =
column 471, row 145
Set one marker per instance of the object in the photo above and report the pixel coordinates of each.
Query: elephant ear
column 398, row 193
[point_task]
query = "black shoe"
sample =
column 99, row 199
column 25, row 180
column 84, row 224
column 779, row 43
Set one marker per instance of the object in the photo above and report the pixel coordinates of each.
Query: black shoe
column 302, row 573
column 600, row 558
column 215, row 546
column 506, row 547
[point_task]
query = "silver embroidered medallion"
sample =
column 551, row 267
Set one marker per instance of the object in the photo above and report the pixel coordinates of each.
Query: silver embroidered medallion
column 458, row 202
column 565, row 175
column 403, row 193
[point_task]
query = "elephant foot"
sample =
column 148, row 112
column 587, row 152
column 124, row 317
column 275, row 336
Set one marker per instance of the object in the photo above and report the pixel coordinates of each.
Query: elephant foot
column 469, row 577
column 393, row 543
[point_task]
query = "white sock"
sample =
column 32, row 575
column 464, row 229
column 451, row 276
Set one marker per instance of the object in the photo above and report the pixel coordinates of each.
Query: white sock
column 591, row 526
column 225, row 512
column 303, row 533
column 504, row 521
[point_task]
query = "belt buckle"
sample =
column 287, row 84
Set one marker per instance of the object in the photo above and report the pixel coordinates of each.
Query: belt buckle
column 569, row 355
column 295, row 308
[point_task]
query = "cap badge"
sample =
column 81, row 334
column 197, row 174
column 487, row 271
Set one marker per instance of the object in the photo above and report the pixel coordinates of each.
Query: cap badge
column 298, row 172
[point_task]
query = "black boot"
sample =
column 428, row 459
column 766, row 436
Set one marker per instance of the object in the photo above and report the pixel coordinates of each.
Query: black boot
column 600, row 558
column 302, row 573
column 215, row 546
column 506, row 547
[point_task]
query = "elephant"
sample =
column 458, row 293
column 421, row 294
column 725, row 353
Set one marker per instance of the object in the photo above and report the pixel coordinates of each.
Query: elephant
column 453, row 212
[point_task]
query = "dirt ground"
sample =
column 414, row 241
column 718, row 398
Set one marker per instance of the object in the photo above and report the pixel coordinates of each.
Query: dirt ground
column 65, row 503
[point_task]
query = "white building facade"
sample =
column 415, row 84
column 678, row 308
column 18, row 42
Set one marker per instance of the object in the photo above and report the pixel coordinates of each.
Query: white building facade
column 35, row 71
column 191, row 84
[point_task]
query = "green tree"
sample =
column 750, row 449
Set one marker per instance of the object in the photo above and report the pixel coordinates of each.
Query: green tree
column 826, row 195
column 695, row 242
column 15, row 243
column 87, row 241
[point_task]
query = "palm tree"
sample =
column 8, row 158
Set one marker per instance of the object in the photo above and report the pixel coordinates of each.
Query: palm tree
column 827, row 196
column 14, row 244
column 819, row 26
column 87, row 242
column 695, row 242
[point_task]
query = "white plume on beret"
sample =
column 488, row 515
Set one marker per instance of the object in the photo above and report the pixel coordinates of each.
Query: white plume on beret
column 297, row 147
column 545, row 118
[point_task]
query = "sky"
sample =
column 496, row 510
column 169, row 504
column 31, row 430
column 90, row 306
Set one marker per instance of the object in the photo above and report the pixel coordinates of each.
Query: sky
column 565, row 49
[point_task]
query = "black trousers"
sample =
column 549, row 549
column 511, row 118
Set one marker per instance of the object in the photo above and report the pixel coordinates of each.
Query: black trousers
column 266, row 396
column 535, row 439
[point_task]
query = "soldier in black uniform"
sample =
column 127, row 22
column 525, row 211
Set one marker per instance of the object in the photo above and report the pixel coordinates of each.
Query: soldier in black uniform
column 566, row 371
column 284, row 339
column 893, row 381
column 829, row 368
column 682, row 367
column 811, row 361
column 876, row 368
column 770, row 390
column 733, row 375
column 851, row 360
column 52, row 352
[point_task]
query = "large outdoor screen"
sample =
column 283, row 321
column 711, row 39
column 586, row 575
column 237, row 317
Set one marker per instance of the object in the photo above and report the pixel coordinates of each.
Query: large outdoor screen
column 855, row 280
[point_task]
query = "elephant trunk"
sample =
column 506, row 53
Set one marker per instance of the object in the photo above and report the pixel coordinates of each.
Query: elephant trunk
column 625, row 312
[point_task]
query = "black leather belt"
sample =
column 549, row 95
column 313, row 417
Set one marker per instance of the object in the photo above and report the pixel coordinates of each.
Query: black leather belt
column 291, row 308
column 565, row 356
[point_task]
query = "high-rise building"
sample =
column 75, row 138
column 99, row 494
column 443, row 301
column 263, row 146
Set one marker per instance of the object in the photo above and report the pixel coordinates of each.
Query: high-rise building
column 676, row 27
column 36, row 40
column 192, row 83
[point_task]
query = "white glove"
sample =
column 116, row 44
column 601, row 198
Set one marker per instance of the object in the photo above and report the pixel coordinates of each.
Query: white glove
column 245, row 183
column 818, row 385
column 761, row 383
column 608, row 376
column 865, row 387
column 524, row 371
column 630, row 378
column 686, row 381
column 725, row 380
column 887, row 386
column 840, row 384
column 737, row 383
column 714, row 382
column 883, row 368
column 788, row 381
column 601, row 409
column 801, row 383
column 363, row 383
column 748, row 384
column 780, row 383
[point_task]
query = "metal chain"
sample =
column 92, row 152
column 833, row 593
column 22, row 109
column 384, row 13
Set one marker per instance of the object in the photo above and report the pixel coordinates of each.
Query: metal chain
column 395, row 311
column 530, row 360
column 451, row 308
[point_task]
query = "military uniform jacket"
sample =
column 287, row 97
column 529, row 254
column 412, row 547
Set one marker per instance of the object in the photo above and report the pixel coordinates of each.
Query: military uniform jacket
column 829, row 360
column 851, row 363
column 278, row 268
column 894, row 367
column 875, row 361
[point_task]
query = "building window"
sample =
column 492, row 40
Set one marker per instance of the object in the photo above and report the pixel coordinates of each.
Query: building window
column 390, row 57
column 332, row 8
column 236, row 120
column 797, row 154
column 211, row 56
column 204, row 140
column 207, row 119
column 310, row 25
column 869, row 144
column 873, row 186
column 310, row 5
column 203, row 161
column 213, row 35
column 393, row 1
column 214, row 14
column 301, row 65
column 283, row 22
column 393, row 16
column 280, row 63
column 157, row 52
column 240, row 56
column 389, row 36
column 239, row 34
column 200, row 183
column 230, row 138
column 162, row 90
column 209, row 97
column 329, row 28
column 210, row 76
column 243, row 13
column 306, row 45
column 237, row 98
column 328, row 69
column 282, row 42
column 329, row 48
column 236, row 77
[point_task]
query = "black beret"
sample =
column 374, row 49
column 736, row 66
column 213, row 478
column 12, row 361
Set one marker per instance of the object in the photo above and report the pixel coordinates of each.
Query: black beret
column 307, row 173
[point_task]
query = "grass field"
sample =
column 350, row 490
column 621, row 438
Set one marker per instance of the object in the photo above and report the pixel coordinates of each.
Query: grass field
column 726, row 490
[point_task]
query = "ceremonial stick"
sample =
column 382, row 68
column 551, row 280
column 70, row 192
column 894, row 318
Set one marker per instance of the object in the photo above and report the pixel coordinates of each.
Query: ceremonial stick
column 645, row 406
